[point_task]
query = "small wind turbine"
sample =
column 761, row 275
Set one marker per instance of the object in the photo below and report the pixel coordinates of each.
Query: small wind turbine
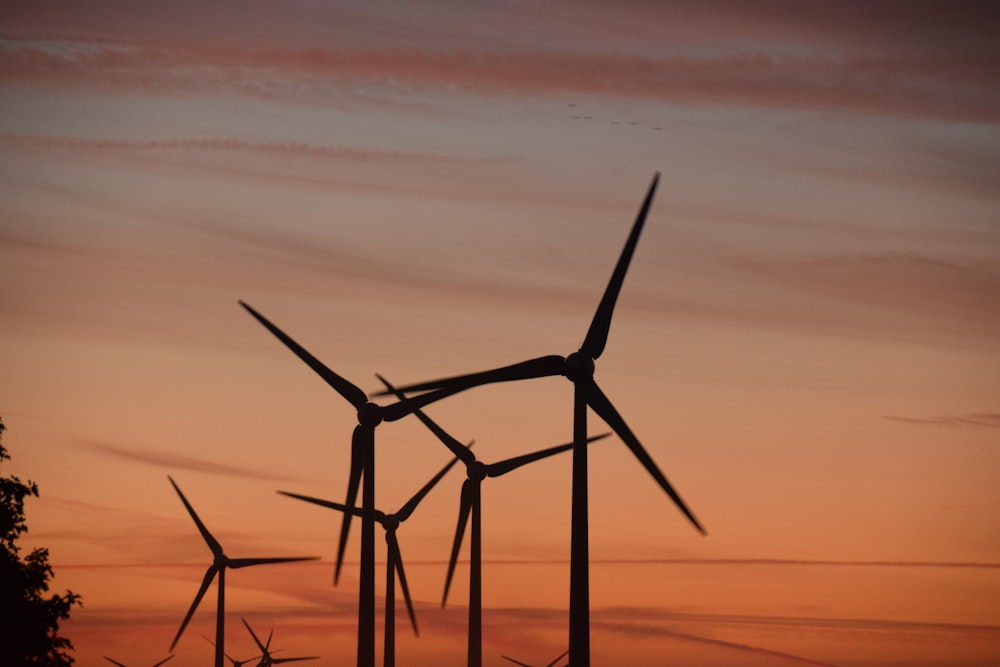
column 471, row 503
column 549, row 664
column 370, row 415
column 394, row 561
column 266, row 658
column 236, row 663
column 115, row 662
column 220, row 563
column 578, row 368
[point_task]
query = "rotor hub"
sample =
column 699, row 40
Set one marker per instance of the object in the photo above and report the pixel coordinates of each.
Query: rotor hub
column 579, row 367
column 370, row 415
column 390, row 523
column 476, row 471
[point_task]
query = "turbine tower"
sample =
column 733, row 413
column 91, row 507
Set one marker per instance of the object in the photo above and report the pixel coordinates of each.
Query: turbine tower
column 394, row 560
column 369, row 415
column 579, row 369
column 220, row 563
column 471, row 503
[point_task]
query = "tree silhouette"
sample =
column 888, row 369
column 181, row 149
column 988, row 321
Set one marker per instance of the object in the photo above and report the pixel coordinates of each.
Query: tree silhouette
column 29, row 622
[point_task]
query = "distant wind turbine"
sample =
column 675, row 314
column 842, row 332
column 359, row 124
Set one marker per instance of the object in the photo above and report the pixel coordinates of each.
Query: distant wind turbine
column 471, row 503
column 549, row 664
column 579, row 369
column 115, row 662
column 369, row 415
column 394, row 560
column 220, row 563
column 267, row 659
column 236, row 663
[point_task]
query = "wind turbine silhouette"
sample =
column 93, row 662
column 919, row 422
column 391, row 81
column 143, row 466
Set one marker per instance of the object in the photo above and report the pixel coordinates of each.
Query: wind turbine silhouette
column 549, row 664
column 471, row 503
column 266, row 658
column 394, row 561
column 236, row 663
column 370, row 415
column 578, row 368
column 220, row 563
column 115, row 662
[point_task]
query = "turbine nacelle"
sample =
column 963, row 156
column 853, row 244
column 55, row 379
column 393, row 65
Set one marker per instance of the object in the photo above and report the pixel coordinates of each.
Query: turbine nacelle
column 579, row 366
column 370, row 414
column 476, row 471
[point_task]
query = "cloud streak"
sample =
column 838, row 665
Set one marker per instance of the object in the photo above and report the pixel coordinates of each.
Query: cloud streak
column 218, row 144
column 174, row 461
column 955, row 87
column 895, row 290
column 976, row 419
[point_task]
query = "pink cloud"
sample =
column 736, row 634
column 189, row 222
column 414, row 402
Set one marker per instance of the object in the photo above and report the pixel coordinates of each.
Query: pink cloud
column 957, row 87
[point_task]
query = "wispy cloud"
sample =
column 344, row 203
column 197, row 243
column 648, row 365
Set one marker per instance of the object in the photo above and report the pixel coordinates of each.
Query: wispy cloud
column 979, row 419
column 909, row 84
column 884, row 292
column 218, row 144
column 174, row 461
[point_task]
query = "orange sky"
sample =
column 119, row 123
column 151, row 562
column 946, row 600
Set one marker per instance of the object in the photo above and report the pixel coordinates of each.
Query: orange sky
column 807, row 341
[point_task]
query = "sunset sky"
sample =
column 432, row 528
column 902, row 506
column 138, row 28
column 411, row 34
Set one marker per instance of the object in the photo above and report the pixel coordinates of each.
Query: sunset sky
column 808, row 341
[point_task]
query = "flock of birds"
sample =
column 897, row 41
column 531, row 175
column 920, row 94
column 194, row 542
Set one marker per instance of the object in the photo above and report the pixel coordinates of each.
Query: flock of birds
column 578, row 368
column 633, row 123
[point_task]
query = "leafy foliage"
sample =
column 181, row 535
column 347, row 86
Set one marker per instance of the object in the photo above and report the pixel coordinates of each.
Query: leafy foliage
column 29, row 621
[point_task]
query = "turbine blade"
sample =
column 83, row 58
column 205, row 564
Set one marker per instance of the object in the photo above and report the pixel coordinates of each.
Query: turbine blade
column 532, row 368
column 356, row 511
column 205, row 583
column 237, row 563
column 354, row 395
column 603, row 407
column 407, row 509
column 165, row 659
column 212, row 543
column 597, row 335
column 561, row 656
column 353, row 482
column 463, row 518
column 114, row 662
column 395, row 559
column 516, row 662
column 456, row 447
column 253, row 634
column 505, row 466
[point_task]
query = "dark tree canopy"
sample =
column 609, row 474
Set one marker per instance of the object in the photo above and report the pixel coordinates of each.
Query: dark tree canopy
column 29, row 621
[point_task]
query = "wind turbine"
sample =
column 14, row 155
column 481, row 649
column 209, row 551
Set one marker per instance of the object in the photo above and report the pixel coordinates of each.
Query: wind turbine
column 471, row 503
column 115, row 662
column 550, row 664
column 370, row 415
column 578, row 368
column 394, row 561
column 220, row 563
column 236, row 663
column 266, row 659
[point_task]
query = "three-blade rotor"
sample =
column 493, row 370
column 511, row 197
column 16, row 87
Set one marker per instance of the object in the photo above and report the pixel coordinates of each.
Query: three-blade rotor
column 577, row 367
column 220, row 562
column 389, row 522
